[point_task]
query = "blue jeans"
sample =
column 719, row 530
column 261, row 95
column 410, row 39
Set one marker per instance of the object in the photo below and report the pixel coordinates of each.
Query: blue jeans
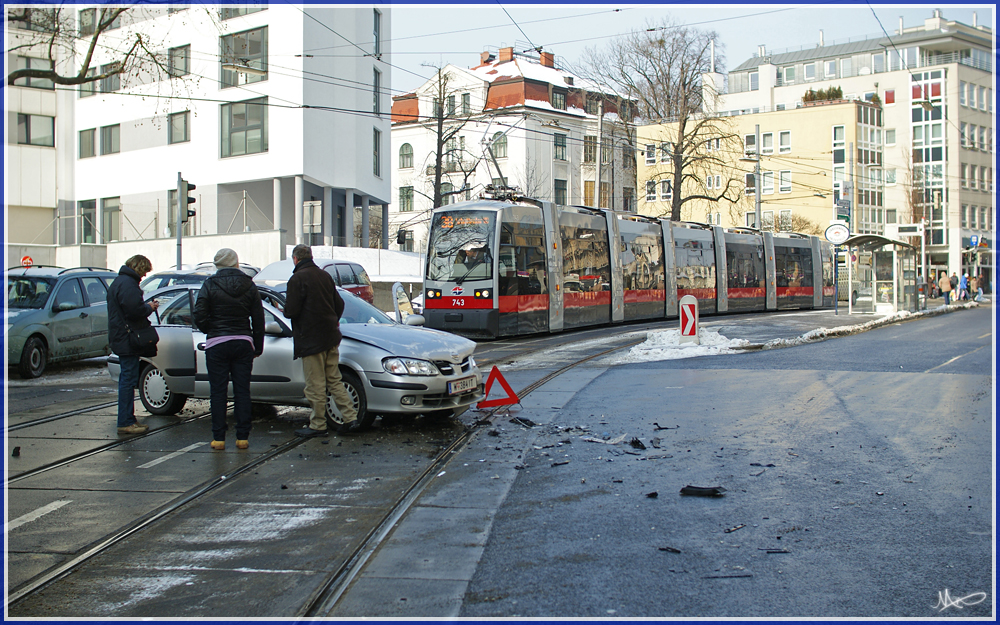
column 128, row 379
column 230, row 359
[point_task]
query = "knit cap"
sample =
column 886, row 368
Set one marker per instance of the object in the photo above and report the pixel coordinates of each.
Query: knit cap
column 226, row 258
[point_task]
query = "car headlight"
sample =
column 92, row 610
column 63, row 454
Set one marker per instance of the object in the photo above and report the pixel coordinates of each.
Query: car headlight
column 409, row 366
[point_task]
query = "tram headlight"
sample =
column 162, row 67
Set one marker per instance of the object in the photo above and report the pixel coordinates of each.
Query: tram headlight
column 409, row 366
column 482, row 294
column 432, row 294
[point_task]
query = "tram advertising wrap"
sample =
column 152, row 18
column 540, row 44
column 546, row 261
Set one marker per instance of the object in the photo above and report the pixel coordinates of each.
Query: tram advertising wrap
column 511, row 267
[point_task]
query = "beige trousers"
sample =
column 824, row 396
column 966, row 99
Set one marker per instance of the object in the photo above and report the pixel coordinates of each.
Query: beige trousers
column 322, row 374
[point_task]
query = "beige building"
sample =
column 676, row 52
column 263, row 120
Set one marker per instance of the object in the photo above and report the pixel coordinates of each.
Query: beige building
column 808, row 156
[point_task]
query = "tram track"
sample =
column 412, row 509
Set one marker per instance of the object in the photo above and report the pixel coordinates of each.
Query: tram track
column 57, row 417
column 324, row 598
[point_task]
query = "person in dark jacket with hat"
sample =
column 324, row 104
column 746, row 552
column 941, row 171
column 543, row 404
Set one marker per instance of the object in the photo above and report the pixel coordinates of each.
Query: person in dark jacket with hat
column 228, row 310
column 315, row 307
column 127, row 310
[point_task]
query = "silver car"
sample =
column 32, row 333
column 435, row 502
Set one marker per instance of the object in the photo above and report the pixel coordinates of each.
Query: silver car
column 388, row 367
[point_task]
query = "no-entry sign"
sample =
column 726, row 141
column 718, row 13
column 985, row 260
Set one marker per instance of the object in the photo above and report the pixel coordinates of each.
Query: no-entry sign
column 689, row 319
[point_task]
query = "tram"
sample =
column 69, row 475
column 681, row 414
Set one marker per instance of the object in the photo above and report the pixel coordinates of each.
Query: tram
column 515, row 266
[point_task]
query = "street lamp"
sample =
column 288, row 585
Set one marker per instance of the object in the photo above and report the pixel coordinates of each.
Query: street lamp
column 756, row 174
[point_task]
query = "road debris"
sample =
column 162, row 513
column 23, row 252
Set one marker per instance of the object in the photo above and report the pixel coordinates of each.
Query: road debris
column 16, row 452
column 670, row 549
column 757, row 464
column 658, row 427
column 653, row 495
column 655, row 442
column 724, row 576
column 524, row 422
column 703, row 491
column 733, row 529
column 637, row 443
column 613, row 441
column 560, row 463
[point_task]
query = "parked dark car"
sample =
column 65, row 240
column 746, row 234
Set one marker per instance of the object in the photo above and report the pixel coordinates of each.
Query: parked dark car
column 55, row 314
column 349, row 276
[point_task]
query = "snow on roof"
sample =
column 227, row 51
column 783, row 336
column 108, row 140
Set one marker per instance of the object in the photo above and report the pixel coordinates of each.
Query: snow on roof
column 521, row 67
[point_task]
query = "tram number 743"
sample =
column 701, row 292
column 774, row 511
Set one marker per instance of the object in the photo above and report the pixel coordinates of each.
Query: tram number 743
column 458, row 301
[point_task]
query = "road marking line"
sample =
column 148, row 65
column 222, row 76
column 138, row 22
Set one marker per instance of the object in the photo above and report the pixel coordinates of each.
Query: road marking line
column 985, row 335
column 32, row 516
column 954, row 359
column 179, row 452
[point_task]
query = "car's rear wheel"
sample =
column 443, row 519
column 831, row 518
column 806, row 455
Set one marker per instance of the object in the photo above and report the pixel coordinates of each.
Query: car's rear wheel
column 34, row 357
column 356, row 391
column 156, row 396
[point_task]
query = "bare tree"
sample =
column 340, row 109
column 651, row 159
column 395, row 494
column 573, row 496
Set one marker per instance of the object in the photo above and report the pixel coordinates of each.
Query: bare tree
column 56, row 34
column 660, row 68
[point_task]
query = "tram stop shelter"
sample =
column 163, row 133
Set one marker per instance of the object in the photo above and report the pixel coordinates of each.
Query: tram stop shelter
column 883, row 272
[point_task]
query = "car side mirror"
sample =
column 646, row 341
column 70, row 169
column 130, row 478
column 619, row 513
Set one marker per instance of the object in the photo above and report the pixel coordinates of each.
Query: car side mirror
column 414, row 320
column 402, row 308
column 65, row 306
column 274, row 328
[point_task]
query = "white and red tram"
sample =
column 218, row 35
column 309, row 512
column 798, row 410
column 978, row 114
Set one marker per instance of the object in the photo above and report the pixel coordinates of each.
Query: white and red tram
column 509, row 267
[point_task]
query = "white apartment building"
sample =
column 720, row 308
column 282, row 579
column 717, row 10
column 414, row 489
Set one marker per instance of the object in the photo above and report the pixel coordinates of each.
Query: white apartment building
column 935, row 82
column 542, row 123
column 276, row 113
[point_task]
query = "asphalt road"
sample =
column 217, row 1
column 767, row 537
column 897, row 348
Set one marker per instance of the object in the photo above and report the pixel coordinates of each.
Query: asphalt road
column 858, row 477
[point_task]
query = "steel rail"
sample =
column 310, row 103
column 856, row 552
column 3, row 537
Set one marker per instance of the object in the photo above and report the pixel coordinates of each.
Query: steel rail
column 56, row 417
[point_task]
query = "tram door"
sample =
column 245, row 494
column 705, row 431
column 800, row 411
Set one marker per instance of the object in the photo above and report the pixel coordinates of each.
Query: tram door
column 522, row 281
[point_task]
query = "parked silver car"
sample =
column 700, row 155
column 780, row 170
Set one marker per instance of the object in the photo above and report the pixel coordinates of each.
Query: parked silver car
column 388, row 367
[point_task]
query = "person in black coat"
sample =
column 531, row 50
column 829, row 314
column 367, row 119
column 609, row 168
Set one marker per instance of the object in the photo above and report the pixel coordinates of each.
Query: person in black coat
column 126, row 310
column 228, row 310
column 315, row 307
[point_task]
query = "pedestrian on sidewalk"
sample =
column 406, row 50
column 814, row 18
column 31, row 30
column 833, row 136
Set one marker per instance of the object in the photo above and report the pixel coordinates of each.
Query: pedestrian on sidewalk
column 126, row 310
column 974, row 291
column 315, row 307
column 963, row 287
column 945, row 285
column 228, row 310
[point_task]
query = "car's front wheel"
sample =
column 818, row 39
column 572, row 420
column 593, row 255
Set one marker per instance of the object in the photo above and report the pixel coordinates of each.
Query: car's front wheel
column 34, row 357
column 156, row 396
column 356, row 392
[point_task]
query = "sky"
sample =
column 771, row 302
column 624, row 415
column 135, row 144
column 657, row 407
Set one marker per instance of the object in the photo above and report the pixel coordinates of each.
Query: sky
column 456, row 34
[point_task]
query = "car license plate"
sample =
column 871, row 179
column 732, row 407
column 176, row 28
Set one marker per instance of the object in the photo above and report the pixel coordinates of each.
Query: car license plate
column 460, row 386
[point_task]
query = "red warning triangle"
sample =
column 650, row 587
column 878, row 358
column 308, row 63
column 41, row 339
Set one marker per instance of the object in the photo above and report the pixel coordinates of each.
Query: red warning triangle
column 511, row 395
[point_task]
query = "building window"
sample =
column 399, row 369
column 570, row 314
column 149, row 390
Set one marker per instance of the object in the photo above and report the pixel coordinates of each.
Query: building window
column 89, row 88
column 451, row 106
column 666, row 190
column 111, row 83
column 561, row 192
column 88, row 22
column 785, row 181
column 590, row 149
column 890, row 136
column 767, row 143
column 767, row 218
column 890, row 176
column 26, row 62
column 666, row 151
column 376, row 152
column 754, row 81
column 559, row 141
column 88, row 220
column 110, row 219
column 405, row 199
column 180, row 61
column 713, row 145
column 650, row 153
column 244, row 127
column 605, row 195
column 750, row 144
column 88, row 143
column 964, row 176
column 376, row 91
column 831, row 69
column 785, row 141
column 890, row 96
column 785, row 220
column 178, row 130
column 590, row 105
column 846, row 68
column 559, row 100
column 588, row 192
column 229, row 13
column 789, row 75
column 36, row 130
column 650, row 190
column 810, row 71
column 767, row 182
column 405, row 156
column 500, row 145
column 376, row 33
column 466, row 104
column 245, row 49
column 110, row 137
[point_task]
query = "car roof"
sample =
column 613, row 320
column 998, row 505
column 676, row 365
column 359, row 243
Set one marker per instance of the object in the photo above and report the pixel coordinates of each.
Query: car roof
column 50, row 271
column 197, row 287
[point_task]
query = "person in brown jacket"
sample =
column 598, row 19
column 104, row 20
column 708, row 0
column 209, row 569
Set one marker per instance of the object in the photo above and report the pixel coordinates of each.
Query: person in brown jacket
column 315, row 307
column 944, row 283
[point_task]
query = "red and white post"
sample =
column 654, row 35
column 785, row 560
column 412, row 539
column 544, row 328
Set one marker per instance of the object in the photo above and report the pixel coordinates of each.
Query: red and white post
column 689, row 320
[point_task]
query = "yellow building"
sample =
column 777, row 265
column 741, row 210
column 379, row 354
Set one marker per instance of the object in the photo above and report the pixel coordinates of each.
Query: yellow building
column 808, row 158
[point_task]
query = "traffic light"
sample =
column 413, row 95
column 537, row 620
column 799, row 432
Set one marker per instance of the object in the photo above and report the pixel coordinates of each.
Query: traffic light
column 401, row 236
column 183, row 188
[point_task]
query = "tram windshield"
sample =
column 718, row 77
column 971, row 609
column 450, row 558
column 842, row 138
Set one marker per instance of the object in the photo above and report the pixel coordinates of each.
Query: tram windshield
column 460, row 246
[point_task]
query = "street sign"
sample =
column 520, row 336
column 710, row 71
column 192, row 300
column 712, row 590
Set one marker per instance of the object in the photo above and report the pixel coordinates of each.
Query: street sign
column 689, row 320
column 26, row 261
column 837, row 234
column 844, row 210
column 974, row 240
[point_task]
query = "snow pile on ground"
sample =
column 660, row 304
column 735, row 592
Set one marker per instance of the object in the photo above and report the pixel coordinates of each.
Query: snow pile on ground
column 666, row 345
